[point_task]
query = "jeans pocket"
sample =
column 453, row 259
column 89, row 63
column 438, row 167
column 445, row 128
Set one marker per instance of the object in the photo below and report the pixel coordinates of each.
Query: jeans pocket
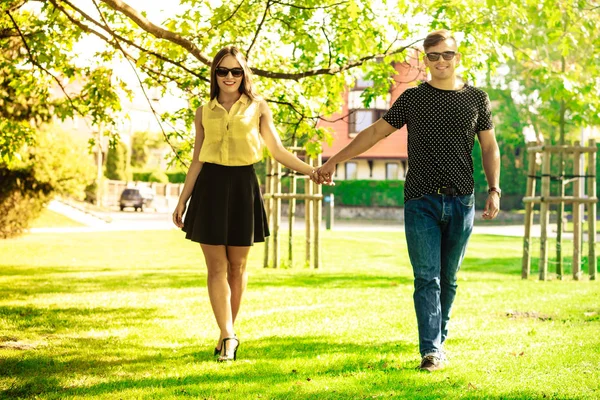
column 467, row 201
column 416, row 198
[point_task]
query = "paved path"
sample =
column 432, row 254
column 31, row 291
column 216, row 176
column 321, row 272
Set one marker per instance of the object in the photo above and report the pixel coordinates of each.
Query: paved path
column 152, row 220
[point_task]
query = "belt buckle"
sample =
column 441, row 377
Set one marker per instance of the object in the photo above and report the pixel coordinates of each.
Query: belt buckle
column 447, row 191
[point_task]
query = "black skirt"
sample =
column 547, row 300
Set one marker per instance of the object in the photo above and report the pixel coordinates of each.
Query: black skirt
column 226, row 207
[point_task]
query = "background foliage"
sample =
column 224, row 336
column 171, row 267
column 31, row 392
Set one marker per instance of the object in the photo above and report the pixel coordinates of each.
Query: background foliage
column 57, row 165
column 117, row 162
column 62, row 59
column 303, row 53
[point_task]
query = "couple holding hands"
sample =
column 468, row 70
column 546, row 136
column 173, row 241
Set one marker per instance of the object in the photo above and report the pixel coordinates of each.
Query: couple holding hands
column 226, row 213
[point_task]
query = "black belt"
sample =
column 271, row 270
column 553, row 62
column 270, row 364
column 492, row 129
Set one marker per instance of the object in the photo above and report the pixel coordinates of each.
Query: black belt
column 448, row 191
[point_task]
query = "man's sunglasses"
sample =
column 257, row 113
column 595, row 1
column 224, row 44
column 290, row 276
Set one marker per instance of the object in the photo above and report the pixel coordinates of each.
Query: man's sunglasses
column 235, row 72
column 447, row 55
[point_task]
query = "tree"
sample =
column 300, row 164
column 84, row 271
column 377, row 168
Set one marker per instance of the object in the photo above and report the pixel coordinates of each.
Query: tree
column 303, row 53
column 117, row 167
column 554, row 61
column 139, row 149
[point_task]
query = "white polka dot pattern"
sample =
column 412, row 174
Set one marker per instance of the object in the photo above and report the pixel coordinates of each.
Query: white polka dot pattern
column 442, row 125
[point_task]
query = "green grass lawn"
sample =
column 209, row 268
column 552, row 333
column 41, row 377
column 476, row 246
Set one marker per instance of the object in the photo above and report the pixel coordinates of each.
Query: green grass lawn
column 51, row 219
column 126, row 316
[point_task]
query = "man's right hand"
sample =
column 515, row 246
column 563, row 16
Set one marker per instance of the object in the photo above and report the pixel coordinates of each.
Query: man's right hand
column 325, row 173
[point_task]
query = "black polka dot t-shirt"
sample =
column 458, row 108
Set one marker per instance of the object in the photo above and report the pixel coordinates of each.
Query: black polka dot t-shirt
column 442, row 125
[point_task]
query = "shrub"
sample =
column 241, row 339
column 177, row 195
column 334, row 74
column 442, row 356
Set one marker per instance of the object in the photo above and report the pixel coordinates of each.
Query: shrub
column 158, row 176
column 55, row 165
column 172, row 177
column 141, row 176
column 176, row 177
column 367, row 193
column 22, row 198
column 116, row 163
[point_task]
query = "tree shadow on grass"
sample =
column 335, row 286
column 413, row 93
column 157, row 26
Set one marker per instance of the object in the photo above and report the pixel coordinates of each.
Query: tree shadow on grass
column 69, row 280
column 348, row 280
column 89, row 281
column 50, row 320
column 260, row 363
column 506, row 266
column 272, row 367
column 37, row 374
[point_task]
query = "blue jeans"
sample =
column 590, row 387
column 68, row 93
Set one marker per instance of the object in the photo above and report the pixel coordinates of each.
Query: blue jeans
column 437, row 231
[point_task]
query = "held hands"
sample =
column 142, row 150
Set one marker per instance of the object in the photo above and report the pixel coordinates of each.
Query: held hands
column 323, row 174
column 492, row 206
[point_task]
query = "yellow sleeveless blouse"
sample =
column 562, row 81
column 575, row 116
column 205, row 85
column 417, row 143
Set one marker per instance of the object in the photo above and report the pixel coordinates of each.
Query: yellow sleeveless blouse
column 231, row 138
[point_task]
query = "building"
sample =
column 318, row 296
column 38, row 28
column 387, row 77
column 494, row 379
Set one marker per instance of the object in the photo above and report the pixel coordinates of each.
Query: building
column 388, row 158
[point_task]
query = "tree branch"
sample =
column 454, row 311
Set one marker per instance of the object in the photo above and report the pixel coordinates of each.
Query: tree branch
column 16, row 6
column 156, row 30
column 161, row 33
column 328, row 44
column 119, row 37
column 309, row 8
column 35, row 63
column 329, row 71
column 144, row 92
column 258, row 29
column 228, row 18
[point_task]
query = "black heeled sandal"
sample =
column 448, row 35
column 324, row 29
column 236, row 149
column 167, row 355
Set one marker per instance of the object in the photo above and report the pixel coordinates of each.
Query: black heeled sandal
column 218, row 350
column 225, row 355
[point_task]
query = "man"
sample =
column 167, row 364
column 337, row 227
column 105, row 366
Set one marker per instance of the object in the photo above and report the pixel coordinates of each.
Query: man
column 443, row 116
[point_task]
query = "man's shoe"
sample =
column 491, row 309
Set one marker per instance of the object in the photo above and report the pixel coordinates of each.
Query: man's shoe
column 430, row 363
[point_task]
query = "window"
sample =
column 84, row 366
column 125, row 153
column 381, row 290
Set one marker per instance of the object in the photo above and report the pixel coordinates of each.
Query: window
column 362, row 83
column 391, row 171
column 404, row 168
column 361, row 119
column 351, row 170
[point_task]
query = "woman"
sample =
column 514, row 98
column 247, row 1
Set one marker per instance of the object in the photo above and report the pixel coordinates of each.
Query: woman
column 226, row 213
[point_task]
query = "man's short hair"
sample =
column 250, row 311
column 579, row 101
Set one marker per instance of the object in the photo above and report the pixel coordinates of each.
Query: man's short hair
column 436, row 37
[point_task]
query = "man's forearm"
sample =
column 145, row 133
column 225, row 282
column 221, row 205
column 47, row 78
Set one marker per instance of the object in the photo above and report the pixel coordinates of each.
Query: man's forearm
column 491, row 166
column 361, row 143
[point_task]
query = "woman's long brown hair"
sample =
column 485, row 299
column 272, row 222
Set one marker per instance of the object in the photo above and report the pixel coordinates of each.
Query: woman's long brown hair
column 246, row 86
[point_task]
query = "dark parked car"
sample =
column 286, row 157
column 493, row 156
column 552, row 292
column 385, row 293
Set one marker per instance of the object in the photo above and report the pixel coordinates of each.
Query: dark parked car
column 138, row 198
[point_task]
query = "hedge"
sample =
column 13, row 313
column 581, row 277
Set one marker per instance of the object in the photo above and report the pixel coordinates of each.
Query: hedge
column 391, row 193
column 174, row 177
column 361, row 193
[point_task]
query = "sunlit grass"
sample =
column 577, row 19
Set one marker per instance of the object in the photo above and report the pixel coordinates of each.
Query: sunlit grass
column 126, row 315
column 51, row 219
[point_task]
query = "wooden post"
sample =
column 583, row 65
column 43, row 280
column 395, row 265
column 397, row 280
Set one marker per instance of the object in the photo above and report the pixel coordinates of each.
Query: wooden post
column 276, row 216
column 268, row 206
column 544, row 215
column 318, row 215
column 592, row 179
column 530, row 192
column 560, row 226
column 560, row 215
column 292, row 213
column 577, row 215
column 99, row 171
column 308, row 214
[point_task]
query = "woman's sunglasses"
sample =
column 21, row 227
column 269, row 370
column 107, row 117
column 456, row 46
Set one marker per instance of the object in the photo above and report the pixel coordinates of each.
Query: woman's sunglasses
column 447, row 55
column 235, row 72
